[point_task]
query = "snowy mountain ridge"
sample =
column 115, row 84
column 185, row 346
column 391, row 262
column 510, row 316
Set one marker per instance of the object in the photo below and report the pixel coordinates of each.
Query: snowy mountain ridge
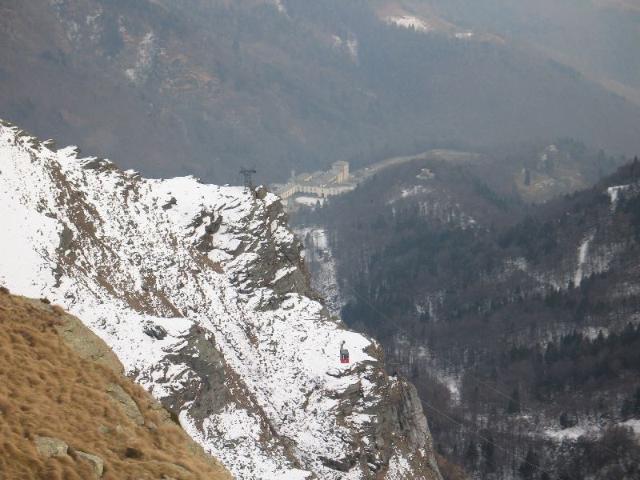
column 201, row 292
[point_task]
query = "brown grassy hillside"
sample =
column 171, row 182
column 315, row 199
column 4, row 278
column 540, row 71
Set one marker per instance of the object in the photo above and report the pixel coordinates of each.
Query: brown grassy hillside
column 61, row 391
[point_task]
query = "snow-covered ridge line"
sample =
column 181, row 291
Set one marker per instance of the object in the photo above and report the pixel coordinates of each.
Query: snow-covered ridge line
column 410, row 21
column 201, row 292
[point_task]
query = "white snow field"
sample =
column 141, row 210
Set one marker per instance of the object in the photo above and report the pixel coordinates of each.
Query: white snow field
column 216, row 271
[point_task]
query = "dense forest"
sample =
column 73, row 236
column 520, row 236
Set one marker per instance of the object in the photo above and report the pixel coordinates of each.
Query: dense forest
column 517, row 322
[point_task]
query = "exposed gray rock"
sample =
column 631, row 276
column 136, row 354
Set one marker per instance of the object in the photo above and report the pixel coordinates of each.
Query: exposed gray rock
column 170, row 204
column 155, row 331
column 86, row 344
column 164, row 414
column 51, row 447
column 118, row 394
column 96, row 462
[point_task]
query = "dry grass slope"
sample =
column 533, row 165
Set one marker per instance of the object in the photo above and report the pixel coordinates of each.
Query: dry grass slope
column 51, row 388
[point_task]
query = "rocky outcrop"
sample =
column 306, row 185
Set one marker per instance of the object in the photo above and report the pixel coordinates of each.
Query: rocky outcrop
column 201, row 292
column 54, row 447
column 124, row 400
column 86, row 344
column 51, row 447
column 97, row 464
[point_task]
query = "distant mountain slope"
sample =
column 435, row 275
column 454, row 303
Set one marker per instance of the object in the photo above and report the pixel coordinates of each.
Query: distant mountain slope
column 201, row 292
column 596, row 37
column 68, row 413
column 203, row 87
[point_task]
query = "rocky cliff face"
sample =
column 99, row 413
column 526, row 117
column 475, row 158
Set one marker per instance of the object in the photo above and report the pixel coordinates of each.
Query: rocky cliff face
column 201, row 293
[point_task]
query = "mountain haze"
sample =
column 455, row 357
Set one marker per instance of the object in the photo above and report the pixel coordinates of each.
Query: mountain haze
column 204, row 87
column 596, row 37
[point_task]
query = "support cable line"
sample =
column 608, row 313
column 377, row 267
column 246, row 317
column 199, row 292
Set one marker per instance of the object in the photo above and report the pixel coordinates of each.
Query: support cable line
column 469, row 429
column 451, row 419
column 482, row 437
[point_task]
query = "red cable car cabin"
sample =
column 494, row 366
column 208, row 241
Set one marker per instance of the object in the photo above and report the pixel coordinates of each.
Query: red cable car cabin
column 344, row 354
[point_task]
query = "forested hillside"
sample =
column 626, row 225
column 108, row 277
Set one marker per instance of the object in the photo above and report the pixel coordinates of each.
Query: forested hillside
column 204, row 87
column 520, row 324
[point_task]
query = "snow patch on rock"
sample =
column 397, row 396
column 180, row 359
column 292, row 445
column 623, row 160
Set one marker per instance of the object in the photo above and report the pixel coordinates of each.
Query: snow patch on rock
column 410, row 22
